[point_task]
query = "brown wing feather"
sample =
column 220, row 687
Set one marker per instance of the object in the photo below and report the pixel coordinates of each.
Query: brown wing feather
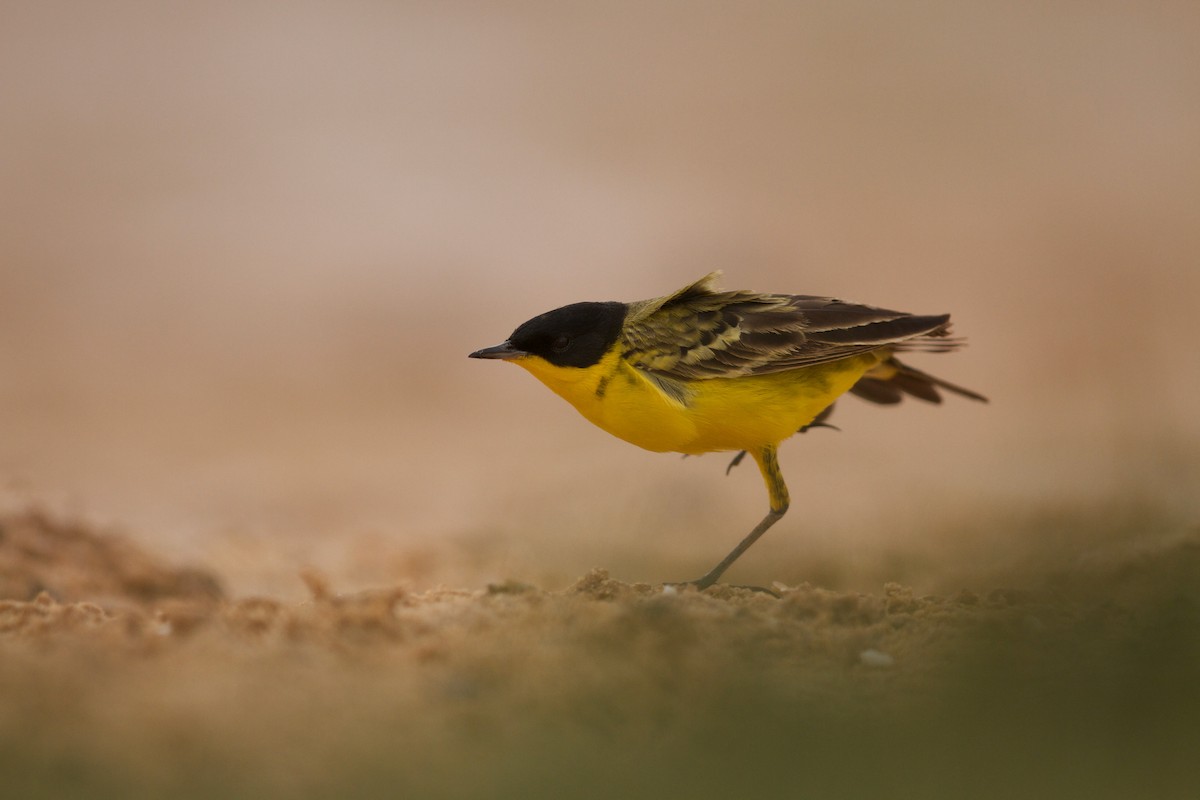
column 699, row 332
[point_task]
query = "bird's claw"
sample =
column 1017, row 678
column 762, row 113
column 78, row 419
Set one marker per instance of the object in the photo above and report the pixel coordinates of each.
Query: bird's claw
column 700, row 585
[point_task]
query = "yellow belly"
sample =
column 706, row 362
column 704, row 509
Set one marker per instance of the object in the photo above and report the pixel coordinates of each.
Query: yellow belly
column 717, row 414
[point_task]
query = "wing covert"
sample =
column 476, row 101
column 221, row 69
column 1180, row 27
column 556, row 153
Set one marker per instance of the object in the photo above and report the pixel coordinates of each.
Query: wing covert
column 699, row 332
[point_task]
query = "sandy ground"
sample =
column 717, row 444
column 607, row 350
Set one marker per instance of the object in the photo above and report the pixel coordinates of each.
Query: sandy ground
column 253, row 494
column 1080, row 683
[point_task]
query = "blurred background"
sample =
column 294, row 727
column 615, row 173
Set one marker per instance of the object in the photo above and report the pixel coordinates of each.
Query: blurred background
column 245, row 249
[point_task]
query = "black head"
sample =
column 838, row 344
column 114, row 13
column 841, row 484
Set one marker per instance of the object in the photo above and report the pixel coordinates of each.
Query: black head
column 572, row 336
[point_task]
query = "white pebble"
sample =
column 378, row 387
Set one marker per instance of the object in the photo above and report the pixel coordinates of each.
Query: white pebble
column 875, row 658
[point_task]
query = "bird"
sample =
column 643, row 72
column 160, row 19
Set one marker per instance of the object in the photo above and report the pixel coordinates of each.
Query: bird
column 705, row 370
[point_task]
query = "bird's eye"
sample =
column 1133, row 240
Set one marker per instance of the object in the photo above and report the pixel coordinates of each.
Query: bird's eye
column 560, row 343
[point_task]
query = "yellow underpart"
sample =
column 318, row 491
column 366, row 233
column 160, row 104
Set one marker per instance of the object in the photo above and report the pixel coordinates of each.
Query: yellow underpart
column 744, row 413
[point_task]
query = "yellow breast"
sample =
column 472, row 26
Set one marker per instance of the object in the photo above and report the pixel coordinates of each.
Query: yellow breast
column 716, row 414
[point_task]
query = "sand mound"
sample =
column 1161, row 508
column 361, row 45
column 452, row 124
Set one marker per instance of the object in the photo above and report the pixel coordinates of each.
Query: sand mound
column 70, row 561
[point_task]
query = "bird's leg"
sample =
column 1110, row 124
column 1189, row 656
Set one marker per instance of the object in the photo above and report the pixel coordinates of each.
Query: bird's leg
column 768, row 464
column 818, row 422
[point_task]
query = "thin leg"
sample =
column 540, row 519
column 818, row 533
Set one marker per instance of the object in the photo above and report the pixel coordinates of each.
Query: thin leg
column 818, row 422
column 768, row 464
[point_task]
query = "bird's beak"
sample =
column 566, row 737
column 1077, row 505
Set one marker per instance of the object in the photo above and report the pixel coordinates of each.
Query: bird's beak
column 504, row 351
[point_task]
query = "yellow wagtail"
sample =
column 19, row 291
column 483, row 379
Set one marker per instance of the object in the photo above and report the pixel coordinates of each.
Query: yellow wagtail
column 703, row 370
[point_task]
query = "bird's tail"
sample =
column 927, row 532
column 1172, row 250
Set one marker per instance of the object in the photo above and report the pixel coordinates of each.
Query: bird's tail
column 890, row 380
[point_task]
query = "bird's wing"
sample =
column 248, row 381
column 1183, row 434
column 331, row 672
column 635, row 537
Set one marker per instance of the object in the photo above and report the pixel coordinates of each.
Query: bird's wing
column 699, row 332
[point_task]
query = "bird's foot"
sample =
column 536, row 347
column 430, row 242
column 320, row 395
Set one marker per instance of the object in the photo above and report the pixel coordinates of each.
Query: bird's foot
column 701, row 584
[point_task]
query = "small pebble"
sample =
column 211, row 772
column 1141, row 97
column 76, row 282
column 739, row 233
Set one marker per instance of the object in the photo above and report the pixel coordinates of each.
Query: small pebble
column 875, row 658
